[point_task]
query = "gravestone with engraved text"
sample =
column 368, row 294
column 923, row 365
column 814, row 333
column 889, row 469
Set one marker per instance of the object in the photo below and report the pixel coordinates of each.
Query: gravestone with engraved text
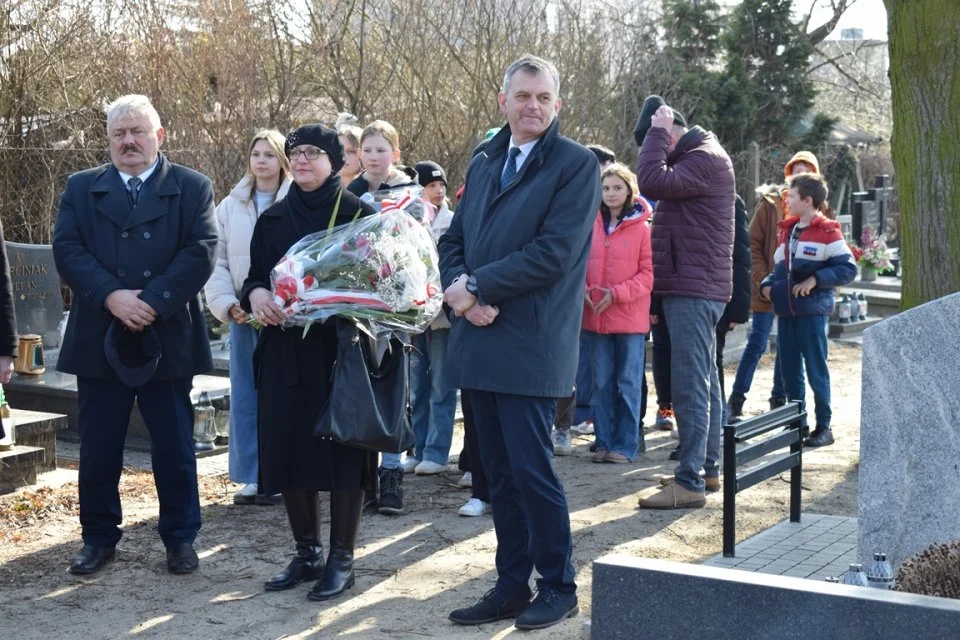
column 36, row 291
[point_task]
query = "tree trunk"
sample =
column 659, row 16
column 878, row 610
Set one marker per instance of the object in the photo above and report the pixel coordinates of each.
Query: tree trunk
column 925, row 81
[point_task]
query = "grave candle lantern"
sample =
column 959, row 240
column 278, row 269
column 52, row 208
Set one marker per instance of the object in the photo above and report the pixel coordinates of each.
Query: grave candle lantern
column 204, row 424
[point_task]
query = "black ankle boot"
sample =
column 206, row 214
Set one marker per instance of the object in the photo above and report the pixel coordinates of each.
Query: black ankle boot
column 735, row 408
column 338, row 575
column 303, row 511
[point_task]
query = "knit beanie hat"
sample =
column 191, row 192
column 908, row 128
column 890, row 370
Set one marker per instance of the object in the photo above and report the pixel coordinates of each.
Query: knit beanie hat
column 321, row 137
column 428, row 172
column 650, row 106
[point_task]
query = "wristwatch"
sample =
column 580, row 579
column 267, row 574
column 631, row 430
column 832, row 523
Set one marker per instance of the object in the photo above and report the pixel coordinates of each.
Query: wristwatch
column 471, row 285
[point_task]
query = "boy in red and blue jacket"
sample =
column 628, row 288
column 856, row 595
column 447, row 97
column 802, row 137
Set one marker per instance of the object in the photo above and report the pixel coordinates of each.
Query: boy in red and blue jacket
column 811, row 260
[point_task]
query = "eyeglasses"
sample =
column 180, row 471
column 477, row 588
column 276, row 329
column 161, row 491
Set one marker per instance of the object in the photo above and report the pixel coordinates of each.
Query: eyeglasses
column 312, row 153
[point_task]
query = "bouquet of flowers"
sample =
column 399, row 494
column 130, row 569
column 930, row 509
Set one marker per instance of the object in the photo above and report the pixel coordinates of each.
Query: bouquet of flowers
column 873, row 251
column 380, row 270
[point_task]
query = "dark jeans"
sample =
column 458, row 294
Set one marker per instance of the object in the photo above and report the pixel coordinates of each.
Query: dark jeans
column 104, row 414
column 584, row 380
column 470, row 456
column 530, row 512
column 661, row 362
column 757, row 343
column 802, row 342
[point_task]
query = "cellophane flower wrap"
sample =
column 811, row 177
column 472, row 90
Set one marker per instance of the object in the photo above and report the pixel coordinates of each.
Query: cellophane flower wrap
column 381, row 271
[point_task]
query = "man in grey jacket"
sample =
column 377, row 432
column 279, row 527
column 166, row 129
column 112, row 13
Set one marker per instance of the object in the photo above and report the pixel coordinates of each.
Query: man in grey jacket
column 513, row 264
column 691, row 177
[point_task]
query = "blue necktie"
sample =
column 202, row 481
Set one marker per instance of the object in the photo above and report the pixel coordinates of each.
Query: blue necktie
column 134, row 184
column 510, row 168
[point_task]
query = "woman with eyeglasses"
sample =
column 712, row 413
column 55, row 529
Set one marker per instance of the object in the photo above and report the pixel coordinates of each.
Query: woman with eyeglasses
column 293, row 372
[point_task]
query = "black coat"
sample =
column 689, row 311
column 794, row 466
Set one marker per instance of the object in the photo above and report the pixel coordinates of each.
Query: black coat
column 166, row 245
column 738, row 309
column 527, row 246
column 292, row 372
column 8, row 318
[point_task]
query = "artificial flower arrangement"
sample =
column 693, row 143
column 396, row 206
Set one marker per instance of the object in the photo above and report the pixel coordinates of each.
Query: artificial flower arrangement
column 874, row 253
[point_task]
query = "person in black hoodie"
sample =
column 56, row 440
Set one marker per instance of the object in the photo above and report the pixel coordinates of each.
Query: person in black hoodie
column 293, row 372
column 379, row 155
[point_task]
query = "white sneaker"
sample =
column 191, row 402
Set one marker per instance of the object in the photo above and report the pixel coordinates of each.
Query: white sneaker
column 585, row 428
column 409, row 464
column 427, row 468
column 246, row 495
column 562, row 444
column 474, row 507
column 466, row 480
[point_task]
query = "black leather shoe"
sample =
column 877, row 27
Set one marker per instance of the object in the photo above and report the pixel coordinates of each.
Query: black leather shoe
column 777, row 402
column 675, row 454
column 91, row 559
column 819, row 438
column 338, row 576
column 491, row 607
column 300, row 569
column 182, row 559
column 547, row 609
column 265, row 500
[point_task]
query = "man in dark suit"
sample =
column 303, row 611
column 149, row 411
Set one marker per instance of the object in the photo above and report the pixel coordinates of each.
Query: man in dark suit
column 135, row 240
column 513, row 265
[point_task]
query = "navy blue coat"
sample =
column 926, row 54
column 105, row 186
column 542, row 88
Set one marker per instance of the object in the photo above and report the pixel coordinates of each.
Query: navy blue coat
column 527, row 247
column 166, row 246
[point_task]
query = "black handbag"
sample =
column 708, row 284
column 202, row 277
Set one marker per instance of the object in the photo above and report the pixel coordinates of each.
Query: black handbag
column 367, row 405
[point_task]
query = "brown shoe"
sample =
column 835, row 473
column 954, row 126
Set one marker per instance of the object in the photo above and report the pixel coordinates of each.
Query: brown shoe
column 600, row 455
column 673, row 496
column 616, row 458
column 710, row 484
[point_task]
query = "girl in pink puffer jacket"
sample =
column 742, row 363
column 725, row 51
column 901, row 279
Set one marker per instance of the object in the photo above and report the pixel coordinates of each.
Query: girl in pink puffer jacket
column 616, row 313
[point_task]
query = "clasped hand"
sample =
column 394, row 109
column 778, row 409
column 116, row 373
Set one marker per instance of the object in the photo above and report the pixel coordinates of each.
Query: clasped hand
column 604, row 302
column 126, row 306
column 465, row 304
column 264, row 308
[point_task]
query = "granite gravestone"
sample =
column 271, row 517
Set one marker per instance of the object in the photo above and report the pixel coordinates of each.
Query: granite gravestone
column 36, row 291
column 870, row 208
column 909, row 441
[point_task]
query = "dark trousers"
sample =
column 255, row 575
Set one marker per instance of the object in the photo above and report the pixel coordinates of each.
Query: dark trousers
column 661, row 361
column 566, row 409
column 721, row 345
column 530, row 511
column 470, row 456
column 104, row 414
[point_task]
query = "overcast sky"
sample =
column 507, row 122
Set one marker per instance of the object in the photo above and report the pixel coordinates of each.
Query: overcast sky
column 869, row 15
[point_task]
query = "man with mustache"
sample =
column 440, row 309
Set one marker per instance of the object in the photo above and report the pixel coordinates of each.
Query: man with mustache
column 136, row 240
